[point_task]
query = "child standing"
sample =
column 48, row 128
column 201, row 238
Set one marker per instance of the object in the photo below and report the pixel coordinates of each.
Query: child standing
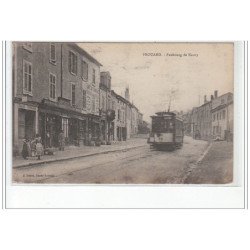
column 39, row 148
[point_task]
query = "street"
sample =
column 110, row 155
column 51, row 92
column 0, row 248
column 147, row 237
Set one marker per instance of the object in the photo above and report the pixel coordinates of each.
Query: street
column 140, row 165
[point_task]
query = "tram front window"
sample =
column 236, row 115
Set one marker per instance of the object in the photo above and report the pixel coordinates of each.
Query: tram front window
column 160, row 125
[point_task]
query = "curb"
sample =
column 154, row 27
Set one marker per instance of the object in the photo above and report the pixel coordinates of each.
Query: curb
column 204, row 154
column 72, row 157
column 192, row 166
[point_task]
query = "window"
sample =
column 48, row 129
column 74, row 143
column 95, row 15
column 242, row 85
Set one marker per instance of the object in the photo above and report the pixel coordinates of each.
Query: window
column 27, row 77
column 65, row 126
column 93, row 76
column 73, row 94
column 84, row 98
column 72, row 63
column 223, row 114
column 93, row 104
column 27, row 46
column 84, row 70
column 52, row 86
column 103, row 103
column 21, row 124
column 52, row 52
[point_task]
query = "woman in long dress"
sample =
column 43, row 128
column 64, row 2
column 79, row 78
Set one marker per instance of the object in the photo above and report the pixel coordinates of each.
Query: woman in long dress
column 25, row 150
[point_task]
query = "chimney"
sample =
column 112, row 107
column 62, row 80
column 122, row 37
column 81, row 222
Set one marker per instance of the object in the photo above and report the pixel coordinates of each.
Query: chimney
column 205, row 99
column 215, row 94
column 212, row 97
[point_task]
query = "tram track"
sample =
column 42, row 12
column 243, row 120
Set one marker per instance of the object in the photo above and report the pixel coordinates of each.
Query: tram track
column 102, row 165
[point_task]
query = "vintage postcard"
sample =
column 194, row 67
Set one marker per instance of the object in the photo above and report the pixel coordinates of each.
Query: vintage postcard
column 122, row 113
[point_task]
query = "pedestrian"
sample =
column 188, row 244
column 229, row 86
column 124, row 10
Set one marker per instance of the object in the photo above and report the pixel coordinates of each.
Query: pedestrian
column 25, row 149
column 48, row 143
column 33, row 147
column 39, row 148
column 61, row 140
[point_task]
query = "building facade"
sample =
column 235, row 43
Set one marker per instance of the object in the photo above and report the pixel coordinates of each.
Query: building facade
column 55, row 87
column 58, row 87
column 204, row 121
column 107, row 109
column 213, row 119
column 121, row 122
column 222, row 117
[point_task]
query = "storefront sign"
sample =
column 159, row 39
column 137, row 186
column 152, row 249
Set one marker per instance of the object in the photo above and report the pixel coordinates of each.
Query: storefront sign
column 23, row 106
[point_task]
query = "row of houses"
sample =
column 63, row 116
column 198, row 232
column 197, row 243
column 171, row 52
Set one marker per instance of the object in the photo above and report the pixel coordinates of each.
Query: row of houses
column 60, row 87
column 213, row 119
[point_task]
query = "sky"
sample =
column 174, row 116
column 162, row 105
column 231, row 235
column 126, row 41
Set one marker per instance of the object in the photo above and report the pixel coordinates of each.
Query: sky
column 153, row 71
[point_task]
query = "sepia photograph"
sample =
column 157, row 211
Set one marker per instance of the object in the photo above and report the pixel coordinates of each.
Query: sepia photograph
column 122, row 112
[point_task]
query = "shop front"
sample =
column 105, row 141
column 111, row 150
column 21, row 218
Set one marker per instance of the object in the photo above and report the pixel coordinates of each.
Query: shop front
column 94, row 129
column 55, row 118
column 25, row 119
column 49, row 128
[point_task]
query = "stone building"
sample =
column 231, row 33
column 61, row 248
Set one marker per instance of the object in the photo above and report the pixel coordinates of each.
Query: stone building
column 134, row 120
column 107, row 109
column 128, row 113
column 212, row 119
column 204, row 121
column 55, row 87
column 121, row 122
column 187, row 123
column 222, row 117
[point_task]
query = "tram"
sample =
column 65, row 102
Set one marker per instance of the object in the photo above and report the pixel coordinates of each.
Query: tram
column 167, row 131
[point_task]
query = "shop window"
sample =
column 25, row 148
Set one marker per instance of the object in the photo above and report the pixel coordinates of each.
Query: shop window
column 223, row 114
column 26, row 124
column 21, row 124
column 65, row 127
column 27, row 77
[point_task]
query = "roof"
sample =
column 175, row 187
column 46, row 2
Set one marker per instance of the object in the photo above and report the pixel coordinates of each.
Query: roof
column 84, row 53
column 221, row 106
column 165, row 113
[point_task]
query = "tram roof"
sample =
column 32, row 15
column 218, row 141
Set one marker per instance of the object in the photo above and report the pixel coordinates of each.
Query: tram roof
column 167, row 114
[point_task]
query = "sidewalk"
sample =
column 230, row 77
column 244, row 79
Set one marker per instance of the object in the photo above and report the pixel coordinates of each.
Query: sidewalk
column 72, row 152
column 216, row 167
